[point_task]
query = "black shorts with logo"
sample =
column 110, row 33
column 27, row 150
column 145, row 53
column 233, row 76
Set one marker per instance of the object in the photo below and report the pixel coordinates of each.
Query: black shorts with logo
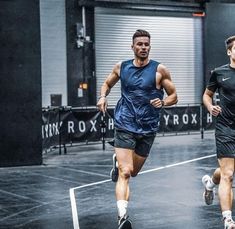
column 141, row 143
column 225, row 141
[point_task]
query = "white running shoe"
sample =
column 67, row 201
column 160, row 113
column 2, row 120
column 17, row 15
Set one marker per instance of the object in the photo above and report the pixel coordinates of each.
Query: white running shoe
column 229, row 224
column 208, row 195
column 114, row 170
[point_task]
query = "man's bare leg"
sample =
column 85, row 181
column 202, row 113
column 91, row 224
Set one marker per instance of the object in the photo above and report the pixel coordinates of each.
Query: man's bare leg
column 129, row 164
column 225, row 189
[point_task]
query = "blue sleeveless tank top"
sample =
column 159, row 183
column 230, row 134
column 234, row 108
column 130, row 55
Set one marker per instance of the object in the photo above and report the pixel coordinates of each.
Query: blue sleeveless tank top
column 133, row 111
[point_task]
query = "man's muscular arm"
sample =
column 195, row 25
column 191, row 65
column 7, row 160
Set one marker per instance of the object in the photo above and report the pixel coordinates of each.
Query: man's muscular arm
column 164, row 81
column 207, row 100
column 110, row 81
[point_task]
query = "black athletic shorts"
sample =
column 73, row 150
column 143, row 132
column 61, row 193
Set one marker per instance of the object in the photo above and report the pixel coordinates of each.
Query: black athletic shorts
column 225, row 141
column 141, row 143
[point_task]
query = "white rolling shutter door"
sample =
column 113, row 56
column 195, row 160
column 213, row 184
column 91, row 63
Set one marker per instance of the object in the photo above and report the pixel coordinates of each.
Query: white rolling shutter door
column 176, row 42
column 53, row 50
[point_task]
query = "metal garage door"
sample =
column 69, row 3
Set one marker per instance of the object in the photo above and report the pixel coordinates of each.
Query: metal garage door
column 176, row 42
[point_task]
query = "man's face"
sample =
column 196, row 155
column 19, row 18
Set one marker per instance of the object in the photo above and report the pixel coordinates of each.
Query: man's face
column 141, row 47
column 231, row 52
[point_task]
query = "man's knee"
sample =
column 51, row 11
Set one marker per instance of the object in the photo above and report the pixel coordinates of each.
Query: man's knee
column 125, row 172
column 227, row 175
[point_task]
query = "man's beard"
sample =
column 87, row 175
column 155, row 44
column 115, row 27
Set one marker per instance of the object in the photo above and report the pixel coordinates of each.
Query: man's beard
column 143, row 58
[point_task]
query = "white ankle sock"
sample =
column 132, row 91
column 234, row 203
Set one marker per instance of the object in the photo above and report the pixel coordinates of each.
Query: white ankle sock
column 227, row 214
column 122, row 207
column 210, row 184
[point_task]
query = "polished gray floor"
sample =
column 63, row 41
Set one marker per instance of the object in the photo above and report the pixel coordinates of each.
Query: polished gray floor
column 167, row 194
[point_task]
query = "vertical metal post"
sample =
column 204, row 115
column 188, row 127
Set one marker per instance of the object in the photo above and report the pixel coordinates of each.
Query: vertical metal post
column 103, row 129
column 84, row 21
column 59, row 132
column 201, row 122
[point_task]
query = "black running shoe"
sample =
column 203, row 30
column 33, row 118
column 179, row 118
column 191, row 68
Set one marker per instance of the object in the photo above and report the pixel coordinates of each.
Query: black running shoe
column 124, row 223
column 114, row 170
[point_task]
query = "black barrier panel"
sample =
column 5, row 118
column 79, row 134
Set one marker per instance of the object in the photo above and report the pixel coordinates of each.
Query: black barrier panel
column 86, row 126
column 50, row 128
column 180, row 119
column 173, row 119
column 109, row 122
column 61, row 126
column 55, row 127
column 208, row 121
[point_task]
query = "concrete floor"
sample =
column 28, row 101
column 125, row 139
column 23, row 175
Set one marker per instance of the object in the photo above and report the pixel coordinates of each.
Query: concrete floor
column 167, row 193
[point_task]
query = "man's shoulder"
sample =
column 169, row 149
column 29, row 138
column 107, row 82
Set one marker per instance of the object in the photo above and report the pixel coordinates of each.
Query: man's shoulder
column 154, row 61
column 126, row 63
column 221, row 68
column 129, row 61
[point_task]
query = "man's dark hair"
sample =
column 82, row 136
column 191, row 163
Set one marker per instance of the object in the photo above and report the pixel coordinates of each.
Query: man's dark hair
column 229, row 42
column 140, row 33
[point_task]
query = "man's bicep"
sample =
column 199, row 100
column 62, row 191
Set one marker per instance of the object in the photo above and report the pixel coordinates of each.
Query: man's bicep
column 167, row 83
column 168, row 86
column 113, row 77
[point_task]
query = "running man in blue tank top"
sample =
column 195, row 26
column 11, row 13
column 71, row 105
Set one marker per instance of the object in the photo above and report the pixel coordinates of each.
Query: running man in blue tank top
column 223, row 80
column 136, row 116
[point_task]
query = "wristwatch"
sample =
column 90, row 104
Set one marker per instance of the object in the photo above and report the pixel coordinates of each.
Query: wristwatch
column 102, row 96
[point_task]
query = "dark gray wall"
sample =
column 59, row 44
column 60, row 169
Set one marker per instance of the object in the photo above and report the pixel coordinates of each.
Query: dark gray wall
column 219, row 25
column 20, row 83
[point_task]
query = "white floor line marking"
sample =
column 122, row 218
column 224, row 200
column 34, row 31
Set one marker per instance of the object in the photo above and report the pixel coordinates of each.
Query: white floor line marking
column 54, row 178
column 73, row 201
column 74, row 208
column 20, row 196
column 72, row 190
column 176, row 164
column 30, row 209
column 83, row 171
column 20, row 212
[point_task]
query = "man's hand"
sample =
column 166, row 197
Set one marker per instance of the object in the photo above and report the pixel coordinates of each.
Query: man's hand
column 215, row 110
column 102, row 104
column 157, row 103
